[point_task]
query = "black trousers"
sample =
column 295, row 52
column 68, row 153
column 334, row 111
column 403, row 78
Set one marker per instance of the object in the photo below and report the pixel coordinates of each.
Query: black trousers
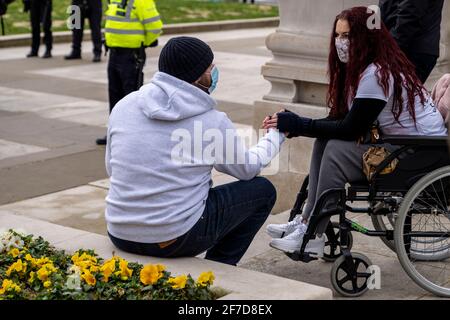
column 41, row 12
column 92, row 10
column 424, row 64
column 123, row 74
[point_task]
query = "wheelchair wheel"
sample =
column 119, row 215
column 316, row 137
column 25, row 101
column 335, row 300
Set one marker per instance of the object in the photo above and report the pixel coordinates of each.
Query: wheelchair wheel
column 422, row 232
column 383, row 223
column 342, row 278
column 332, row 250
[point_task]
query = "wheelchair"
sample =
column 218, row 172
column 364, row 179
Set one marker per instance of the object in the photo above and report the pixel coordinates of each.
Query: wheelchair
column 410, row 212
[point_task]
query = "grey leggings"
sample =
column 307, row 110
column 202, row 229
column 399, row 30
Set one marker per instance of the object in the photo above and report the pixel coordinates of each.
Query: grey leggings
column 333, row 164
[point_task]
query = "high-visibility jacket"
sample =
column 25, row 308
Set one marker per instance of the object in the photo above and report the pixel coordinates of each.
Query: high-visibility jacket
column 130, row 23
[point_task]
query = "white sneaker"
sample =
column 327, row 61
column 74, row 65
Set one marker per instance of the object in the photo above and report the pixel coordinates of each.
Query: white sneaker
column 293, row 242
column 282, row 230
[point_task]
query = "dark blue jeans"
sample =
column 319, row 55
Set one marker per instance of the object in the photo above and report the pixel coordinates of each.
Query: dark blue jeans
column 233, row 215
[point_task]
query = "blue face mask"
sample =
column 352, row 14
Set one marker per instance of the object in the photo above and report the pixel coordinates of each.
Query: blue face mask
column 214, row 79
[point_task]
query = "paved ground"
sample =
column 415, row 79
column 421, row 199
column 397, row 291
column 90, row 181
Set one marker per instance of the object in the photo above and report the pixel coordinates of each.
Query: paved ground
column 51, row 112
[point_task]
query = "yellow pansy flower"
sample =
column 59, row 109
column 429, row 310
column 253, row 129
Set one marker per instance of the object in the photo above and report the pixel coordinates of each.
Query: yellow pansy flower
column 75, row 258
column 14, row 252
column 125, row 272
column 16, row 287
column 43, row 274
column 108, row 268
column 17, row 266
column 84, row 260
column 9, row 285
column 5, row 286
column 43, row 261
column 32, row 277
column 150, row 274
column 47, row 284
column 206, row 278
column 32, row 260
column 94, row 269
column 49, row 267
column 83, row 264
column 88, row 257
column 161, row 267
column 89, row 278
column 178, row 282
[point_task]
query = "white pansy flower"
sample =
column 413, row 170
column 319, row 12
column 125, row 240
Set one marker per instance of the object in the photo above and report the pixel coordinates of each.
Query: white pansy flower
column 74, row 270
column 73, row 282
column 14, row 242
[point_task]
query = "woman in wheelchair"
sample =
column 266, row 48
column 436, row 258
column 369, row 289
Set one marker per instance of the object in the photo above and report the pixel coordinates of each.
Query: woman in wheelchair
column 371, row 81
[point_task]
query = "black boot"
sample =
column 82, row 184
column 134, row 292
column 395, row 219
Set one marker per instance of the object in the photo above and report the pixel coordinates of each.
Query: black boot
column 32, row 53
column 47, row 54
column 101, row 141
column 97, row 57
column 73, row 55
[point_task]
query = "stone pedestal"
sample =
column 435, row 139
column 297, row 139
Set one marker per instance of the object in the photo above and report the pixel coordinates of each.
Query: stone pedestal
column 298, row 75
column 443, row 64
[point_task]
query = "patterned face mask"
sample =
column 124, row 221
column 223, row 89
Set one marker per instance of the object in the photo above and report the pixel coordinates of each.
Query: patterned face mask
column 343, row 49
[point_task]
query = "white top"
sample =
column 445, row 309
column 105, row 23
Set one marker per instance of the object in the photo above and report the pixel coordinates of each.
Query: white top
column 429, row 121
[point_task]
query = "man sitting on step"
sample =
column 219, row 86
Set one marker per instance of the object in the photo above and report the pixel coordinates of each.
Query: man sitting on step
column 163, row 142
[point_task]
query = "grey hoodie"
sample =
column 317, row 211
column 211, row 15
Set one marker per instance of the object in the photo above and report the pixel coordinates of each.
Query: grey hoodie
column 158, row 189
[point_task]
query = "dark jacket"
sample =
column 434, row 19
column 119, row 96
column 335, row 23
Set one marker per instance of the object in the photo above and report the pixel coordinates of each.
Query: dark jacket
column 415, row 24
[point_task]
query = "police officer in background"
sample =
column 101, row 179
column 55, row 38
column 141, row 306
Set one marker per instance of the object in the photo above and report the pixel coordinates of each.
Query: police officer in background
column 40, row 12
column 416, row 26
column 131, row 26
column 91, row 9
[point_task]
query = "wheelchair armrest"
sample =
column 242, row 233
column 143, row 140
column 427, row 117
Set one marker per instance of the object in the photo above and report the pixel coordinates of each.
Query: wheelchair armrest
column 437, row 141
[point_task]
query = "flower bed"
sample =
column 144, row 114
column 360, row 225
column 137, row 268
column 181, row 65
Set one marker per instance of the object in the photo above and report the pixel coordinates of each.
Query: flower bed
column 32, row 269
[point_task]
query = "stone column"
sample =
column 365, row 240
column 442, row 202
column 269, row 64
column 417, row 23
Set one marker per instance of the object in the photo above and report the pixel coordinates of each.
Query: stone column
column 443, row 65
column 299, row 81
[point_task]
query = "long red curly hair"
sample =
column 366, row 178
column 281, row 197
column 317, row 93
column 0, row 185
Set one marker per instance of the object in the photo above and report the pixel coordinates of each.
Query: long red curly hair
column 370, row 46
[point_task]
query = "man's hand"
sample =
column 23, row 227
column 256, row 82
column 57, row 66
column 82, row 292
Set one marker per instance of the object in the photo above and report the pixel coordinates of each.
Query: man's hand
column 271, row 122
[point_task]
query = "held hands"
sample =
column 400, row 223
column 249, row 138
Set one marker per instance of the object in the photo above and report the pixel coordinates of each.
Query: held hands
column 271, row 122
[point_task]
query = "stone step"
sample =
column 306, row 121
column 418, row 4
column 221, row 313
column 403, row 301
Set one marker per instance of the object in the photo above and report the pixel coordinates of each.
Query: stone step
column 241, row 283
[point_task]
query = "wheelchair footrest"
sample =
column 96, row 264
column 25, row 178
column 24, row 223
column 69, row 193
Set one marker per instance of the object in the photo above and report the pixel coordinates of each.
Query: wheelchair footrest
column 303, row 257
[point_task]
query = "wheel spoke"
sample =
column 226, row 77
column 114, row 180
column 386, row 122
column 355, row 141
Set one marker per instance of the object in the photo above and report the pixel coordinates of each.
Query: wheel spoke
column 363, row 275
column 344, row 280
column 355, row 284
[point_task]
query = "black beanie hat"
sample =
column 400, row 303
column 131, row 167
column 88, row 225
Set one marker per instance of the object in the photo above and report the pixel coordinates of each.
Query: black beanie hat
column 185, row 58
